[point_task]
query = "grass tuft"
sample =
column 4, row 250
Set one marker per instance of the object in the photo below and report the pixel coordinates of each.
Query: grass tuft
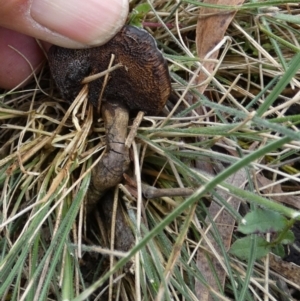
column 244, row 126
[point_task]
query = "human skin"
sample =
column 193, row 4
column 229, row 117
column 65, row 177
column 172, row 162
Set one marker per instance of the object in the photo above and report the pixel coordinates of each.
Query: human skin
column 71, row 24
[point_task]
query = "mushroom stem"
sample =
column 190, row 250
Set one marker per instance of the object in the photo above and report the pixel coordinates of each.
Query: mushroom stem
column 115, row 162
column 123, row 237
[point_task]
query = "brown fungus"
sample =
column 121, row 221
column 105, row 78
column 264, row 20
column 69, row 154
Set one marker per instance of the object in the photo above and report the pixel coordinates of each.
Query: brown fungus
column 141, row 84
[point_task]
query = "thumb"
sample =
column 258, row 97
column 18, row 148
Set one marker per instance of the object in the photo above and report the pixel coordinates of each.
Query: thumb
column 71, row 23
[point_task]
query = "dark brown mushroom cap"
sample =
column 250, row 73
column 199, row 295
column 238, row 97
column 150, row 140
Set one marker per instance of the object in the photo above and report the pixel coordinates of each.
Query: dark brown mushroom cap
column 142, row 84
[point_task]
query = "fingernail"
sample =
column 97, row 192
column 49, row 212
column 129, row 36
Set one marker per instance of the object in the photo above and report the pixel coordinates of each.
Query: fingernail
column 90, row 22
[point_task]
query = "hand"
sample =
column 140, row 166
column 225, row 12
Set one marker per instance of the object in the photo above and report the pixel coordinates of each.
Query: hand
column 67, row 23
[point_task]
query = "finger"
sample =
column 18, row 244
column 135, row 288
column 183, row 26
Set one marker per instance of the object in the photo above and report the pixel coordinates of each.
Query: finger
column 72, row 23
column 14, row 68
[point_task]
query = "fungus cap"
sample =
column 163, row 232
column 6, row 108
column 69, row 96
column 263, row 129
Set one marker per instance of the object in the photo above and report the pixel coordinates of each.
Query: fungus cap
column 142, row 83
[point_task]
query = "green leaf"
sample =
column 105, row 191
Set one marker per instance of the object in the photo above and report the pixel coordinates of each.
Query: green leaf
column 138, row 13
column 262, row 221
column 279, row 250
column 288, row 238
column 241, row 248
